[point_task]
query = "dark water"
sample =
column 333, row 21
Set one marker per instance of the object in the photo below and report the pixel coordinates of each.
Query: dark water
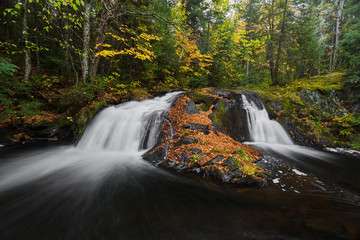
column 88, row 195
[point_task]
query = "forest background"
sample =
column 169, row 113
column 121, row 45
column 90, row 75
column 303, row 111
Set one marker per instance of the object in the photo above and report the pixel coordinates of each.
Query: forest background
column 60, row 60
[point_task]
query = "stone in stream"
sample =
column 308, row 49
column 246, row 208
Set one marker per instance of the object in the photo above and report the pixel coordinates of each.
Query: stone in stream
column 207, row 127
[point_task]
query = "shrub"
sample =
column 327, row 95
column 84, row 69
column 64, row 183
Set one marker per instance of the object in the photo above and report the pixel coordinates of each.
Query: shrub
column 7, row 68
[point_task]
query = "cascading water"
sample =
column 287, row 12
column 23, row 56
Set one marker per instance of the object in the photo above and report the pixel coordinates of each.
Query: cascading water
column 125, row 127
column 261, row 127
column 103, row 189
column 269, row 136
column 272, row 139
column 117, row 136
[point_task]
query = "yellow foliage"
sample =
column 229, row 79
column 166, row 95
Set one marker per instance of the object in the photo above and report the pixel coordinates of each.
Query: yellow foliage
column 142, row 49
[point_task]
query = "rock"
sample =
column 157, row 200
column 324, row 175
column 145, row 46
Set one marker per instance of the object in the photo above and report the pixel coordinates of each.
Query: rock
column 230, row 117
column 196, row 151
column 216, row 159
column 329, row 103
column 254, row 97
column 158, row 153
column 185, row 140
column 204, row 100
column 300, row 138
column 198, row 127
column 193, row 147
column 352, row 93
column 355, row 108
column 190, row 108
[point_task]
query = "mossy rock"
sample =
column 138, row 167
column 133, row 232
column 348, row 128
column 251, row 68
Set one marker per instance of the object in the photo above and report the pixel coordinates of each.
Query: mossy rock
column 200, row 98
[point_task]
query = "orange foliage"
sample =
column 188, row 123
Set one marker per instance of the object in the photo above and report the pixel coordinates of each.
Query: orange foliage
column 211, row 145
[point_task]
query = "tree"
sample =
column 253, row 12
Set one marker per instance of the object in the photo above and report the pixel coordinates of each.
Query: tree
column 27, row 54
column 337, row 33
column 86, row 40
column 350, row 44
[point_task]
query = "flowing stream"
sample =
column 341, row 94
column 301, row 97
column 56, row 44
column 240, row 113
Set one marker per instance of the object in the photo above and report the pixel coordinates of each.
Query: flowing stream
column 103, row 189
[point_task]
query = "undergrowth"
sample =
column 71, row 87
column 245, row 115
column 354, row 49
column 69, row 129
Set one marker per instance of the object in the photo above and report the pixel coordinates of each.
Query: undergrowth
column 326, row 116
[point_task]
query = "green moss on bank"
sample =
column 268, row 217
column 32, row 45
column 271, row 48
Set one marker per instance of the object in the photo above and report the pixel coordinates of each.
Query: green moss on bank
column 316, row 108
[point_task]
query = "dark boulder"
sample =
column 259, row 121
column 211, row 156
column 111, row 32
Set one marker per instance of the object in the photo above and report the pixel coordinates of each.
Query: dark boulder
column 190, row 108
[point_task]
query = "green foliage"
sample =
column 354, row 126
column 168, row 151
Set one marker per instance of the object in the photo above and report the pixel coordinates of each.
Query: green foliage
column 7, row 68
column 246, row 165
column 29, row 108
column 203, row 99
column 42, row 82
column 215, row 150
column 194, row 159
column 241, row 152
column 350, row 43
column 219, row 116
column 334, row 123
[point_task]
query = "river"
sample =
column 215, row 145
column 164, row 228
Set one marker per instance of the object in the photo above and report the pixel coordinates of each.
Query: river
column 103, row 189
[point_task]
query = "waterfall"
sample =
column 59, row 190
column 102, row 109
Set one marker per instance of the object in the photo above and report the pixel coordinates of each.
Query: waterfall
column 115, row 139
column 261, row 127
column 128, row 127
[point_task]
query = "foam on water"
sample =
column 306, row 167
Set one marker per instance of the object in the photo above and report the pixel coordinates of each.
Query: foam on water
column 113, row 140
column 261, row 127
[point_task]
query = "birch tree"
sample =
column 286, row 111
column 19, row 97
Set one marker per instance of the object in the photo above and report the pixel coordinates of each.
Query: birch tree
column 25, row 33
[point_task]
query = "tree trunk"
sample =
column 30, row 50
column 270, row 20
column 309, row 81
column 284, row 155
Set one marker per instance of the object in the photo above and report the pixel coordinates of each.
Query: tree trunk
column 37, row 55
column 247, row 68
column 86, row 41
column 338, row 33
column 270, row 46
column 319, row 66
column 284, row 73
column 332, row 48
column 25, row 34
column 280, row 42
column 68, row 59
column 100, row 39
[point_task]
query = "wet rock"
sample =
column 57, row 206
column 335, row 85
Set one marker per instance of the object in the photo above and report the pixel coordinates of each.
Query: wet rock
column 344, row 151
column 198, row 127
column 228, row 162
column 196, row 151
column 300, row 138
column 227, row 121
column 186, row 140
column 185, row 158
column 222, row 93
column 190, row 108
column 254, row 97
column 216, row 159
column 159, row 152
column 204, row 100
column 230, row 117
column 221, row 105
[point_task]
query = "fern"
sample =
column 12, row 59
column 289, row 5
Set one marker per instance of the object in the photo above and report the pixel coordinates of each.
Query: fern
column 7, row 68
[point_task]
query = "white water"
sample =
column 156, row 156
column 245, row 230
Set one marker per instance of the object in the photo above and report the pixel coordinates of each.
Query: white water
column 261, row 127
column 112, row 141
column 270, row 137
column 123, row 127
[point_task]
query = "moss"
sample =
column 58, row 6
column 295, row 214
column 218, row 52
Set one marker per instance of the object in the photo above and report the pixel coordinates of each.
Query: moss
column 245, row 165
column 204, row 100
column 221, row 117
column 241, row 152
column 216, row 150
column 337, row 128
column 195, row 159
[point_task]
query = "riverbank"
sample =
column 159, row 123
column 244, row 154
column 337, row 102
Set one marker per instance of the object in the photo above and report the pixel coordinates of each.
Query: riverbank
column 319, row 112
